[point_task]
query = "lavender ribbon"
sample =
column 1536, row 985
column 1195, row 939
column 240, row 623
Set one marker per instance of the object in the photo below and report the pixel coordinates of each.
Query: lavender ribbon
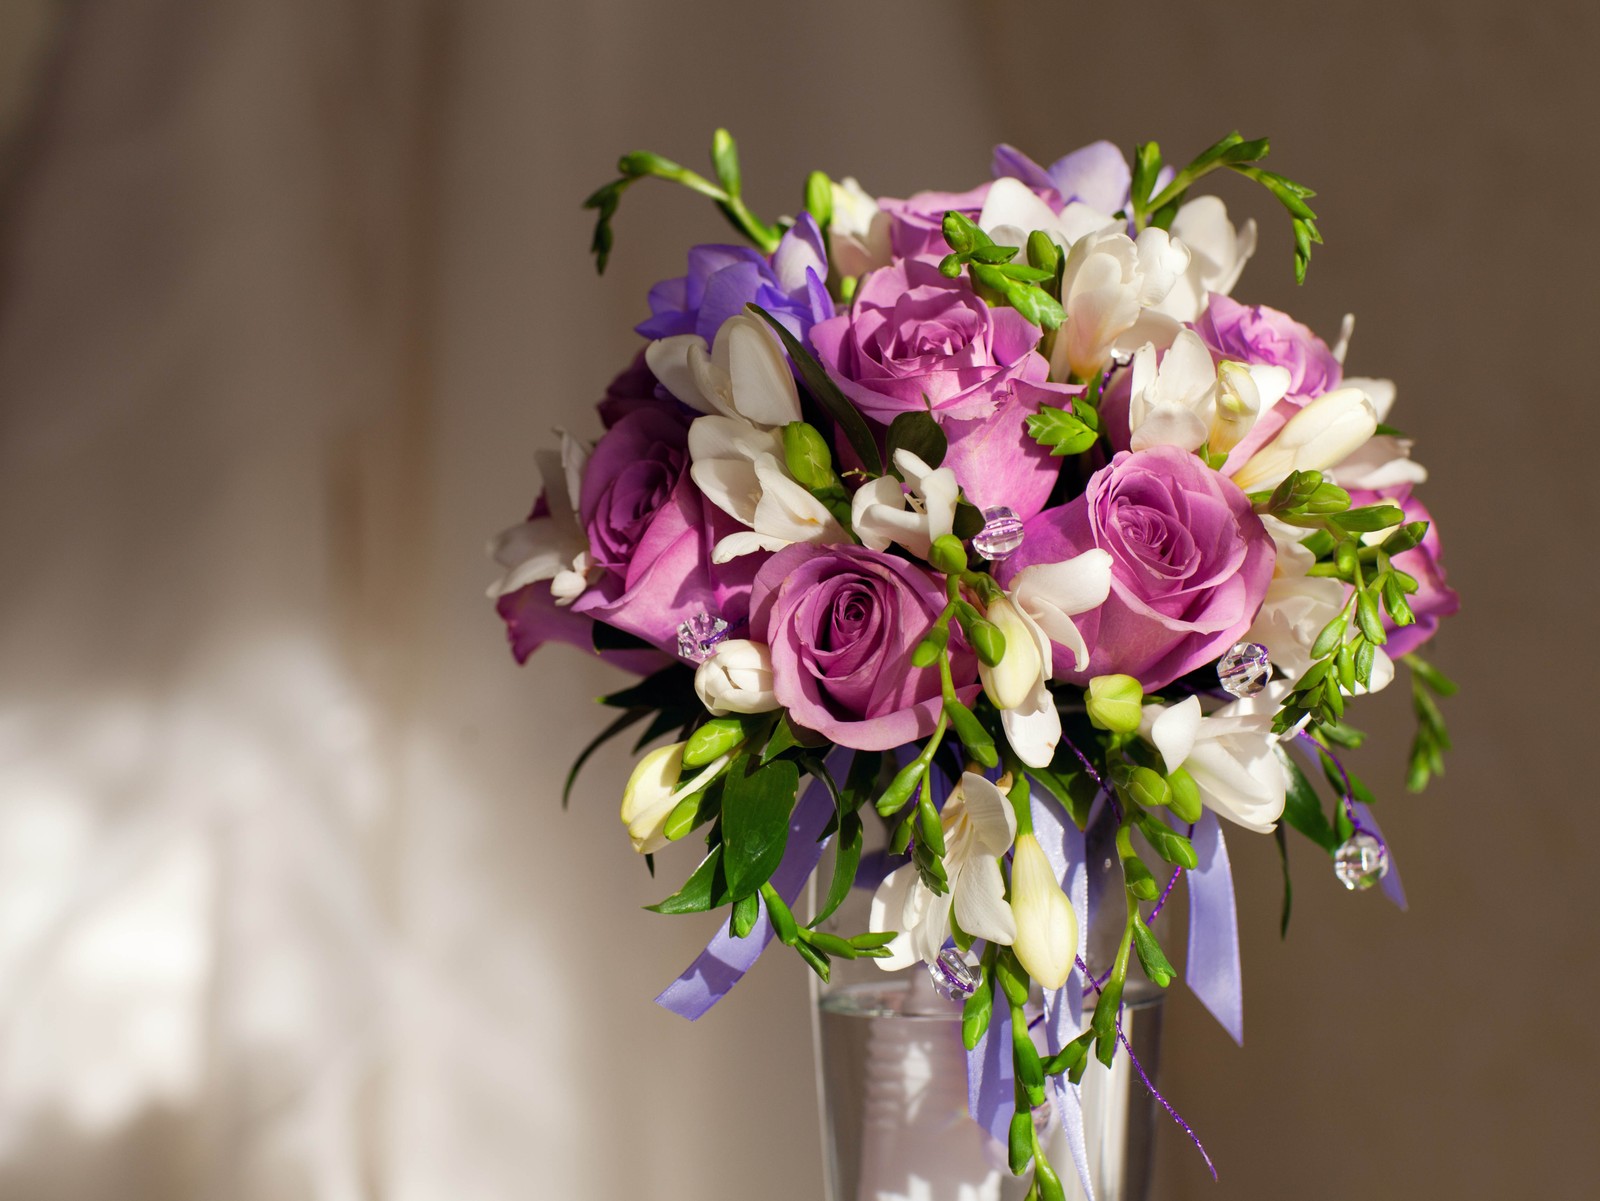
column 1212, row 969
column 991, row 1097
column 1392, row 888
column 726, row 959
column 1064, row 847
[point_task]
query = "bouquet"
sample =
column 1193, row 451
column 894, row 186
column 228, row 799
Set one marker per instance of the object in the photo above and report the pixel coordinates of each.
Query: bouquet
column 993, row 514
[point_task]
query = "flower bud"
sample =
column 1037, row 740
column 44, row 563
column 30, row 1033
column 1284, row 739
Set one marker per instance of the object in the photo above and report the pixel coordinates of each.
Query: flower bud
column 1150, row 788
column 1238, row 406
column 1047, row 928
column 1114, row 703
column 1011, row 681
column 1322, row 434
column 647, row 801
column 948, row 555
column 713, row 740
column 1185, row 802
column 736, row 679
column 806, row 454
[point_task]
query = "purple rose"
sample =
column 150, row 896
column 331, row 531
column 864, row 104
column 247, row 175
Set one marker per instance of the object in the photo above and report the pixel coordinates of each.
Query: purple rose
column 533, row 618
column 996, row 460
column 651, row 532
column 633, row 388
column 842, row 622
column 1434, row 599
column 916, row 224
column 1190, row 564
column 913, row 338
column 723, row 279
column 1258, row 334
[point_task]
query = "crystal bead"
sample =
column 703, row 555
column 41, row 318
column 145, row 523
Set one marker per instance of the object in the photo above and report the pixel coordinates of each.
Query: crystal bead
column 955, row 975
column 1361, row 861
column 1001, row 533
column 1245, row 669
column 698, row 636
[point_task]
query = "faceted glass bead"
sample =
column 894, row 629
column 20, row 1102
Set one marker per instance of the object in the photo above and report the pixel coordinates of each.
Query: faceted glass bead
column 1361, row 861
column 955, row 975
column 1245, row 669
column 698, row 636
column 1001, row 533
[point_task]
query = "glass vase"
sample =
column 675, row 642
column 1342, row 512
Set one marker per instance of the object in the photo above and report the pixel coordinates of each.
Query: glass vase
column 892, row 1087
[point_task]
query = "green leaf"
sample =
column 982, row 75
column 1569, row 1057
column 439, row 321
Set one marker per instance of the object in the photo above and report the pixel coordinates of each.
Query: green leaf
column 827, row 394
column 1063, row 432
column 846, row 860
column 706, row 889
column 919, row 433
column 1303, row 808
column 786, row 736
column 671, row 685
column 756, row 804
column 627, row 719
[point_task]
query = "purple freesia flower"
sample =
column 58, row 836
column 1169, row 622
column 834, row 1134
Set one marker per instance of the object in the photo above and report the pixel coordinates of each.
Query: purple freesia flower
column 1257, row 334
column 1096, row 175
column 651, row 532
column 721, row 280
column 1190, row 564
column 841, row 622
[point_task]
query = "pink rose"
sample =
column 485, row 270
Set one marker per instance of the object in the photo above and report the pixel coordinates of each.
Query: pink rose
column 1257, row 334
column 841, row 622
column 1434, row 599
column 652, row 533
column 916, row 225
column 914, row 339
column 996, row 460
column 1190, row 564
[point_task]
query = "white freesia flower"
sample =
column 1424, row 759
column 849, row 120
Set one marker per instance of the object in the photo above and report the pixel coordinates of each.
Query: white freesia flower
column 858, row 235
column 1189, row 401
column 1012, row 210
column 882, row 512
column 1108, row 287
column 978, row 828
column 1217, row 254
column 736, row 679
column 1047, row 927
column 781, row 511
column 1229, row 754
column 1044, row 599
column 1384, row 460
column 745, row 374
column 1327, row 431
column 553, row 548
column 747, row 393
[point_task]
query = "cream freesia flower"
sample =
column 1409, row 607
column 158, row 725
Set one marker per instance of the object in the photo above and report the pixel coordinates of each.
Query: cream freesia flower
column 1047, row 928
column 1329, row 429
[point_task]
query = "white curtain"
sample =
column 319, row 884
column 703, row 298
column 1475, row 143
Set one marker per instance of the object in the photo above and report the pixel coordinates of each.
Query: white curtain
column 288, row 906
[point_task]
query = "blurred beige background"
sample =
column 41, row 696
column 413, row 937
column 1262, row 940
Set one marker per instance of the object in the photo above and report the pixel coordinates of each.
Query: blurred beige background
column 289, row 292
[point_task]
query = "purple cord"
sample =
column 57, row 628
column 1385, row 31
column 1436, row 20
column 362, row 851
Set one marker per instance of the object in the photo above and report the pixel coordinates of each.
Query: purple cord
column 1349, row 793
column 1172, row 882
column 1154, row 1091
column 1100, row 783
